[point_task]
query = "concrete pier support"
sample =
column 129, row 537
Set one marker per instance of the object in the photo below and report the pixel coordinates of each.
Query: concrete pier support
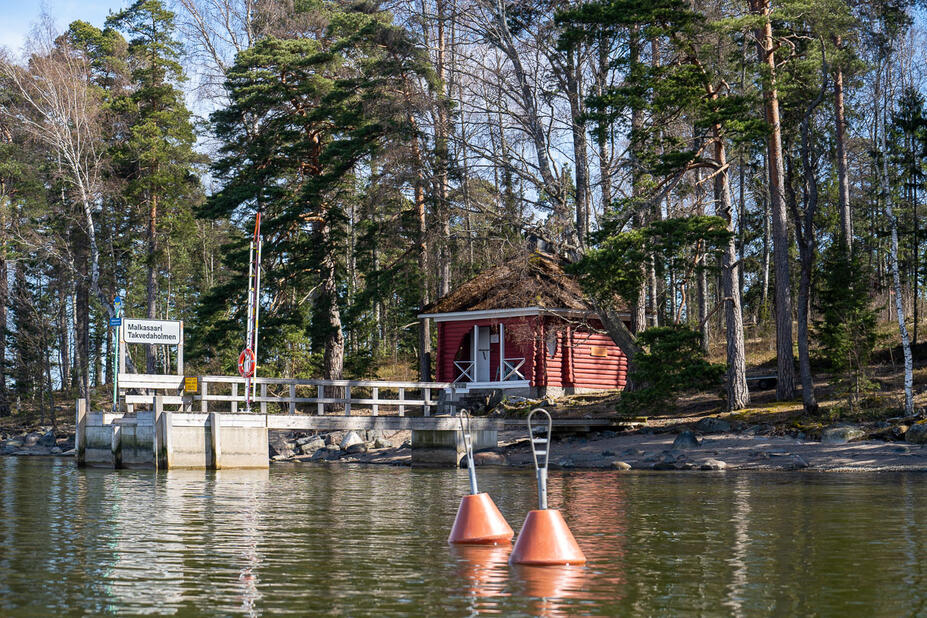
column 445, row 447
column 161, row 439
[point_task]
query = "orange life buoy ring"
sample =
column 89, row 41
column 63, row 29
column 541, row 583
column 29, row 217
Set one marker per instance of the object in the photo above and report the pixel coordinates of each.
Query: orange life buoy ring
column 246, row 363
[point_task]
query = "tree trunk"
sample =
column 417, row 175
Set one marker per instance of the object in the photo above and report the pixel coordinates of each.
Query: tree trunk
column 639, row 310
column 785, row 387
column 575, row 95
column 82, row 313
column 737, row 394
column 4, row 300
column 893, row 264
column 843, row 192
column 64, row 351
column 702, row 280
column 334, row 337
column 602, row 135
column 502, row 38
column 151, row 287
column 424, row 332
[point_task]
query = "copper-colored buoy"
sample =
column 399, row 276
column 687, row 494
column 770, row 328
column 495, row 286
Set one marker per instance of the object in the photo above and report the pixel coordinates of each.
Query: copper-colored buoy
column 545, row 539
column 478, row 520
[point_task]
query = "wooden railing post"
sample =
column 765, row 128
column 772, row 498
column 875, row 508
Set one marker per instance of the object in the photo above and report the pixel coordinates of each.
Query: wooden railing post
column 347, row 400
column 402, row 396
column 234, row 394
column 204, row 391
column 292, row 409
column 376, row 397
column 427, row 407
column 263, row 398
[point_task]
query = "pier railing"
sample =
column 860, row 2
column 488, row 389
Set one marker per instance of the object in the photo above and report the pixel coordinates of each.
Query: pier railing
column 287, row 395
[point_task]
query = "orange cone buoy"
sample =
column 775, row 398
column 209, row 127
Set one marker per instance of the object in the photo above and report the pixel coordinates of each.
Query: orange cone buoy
column 478, row 520
column 545, row 539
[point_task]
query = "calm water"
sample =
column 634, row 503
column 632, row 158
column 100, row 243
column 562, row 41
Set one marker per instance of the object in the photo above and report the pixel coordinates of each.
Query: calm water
column 372, row 541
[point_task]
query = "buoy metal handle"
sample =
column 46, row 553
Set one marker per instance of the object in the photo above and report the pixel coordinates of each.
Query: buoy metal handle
column 468, row 446
column 540, row 447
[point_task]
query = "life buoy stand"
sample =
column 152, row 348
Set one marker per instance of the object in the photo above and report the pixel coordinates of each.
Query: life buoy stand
column 246, row 363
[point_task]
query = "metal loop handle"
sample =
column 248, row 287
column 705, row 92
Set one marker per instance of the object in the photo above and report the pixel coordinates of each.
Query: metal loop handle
column 467, row 436
column 540, row 470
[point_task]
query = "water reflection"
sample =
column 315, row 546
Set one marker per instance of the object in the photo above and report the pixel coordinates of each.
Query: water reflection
column 372, row 541
column 482, row 568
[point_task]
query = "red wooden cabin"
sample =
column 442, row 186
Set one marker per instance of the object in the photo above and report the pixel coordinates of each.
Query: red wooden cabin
column 526, row 328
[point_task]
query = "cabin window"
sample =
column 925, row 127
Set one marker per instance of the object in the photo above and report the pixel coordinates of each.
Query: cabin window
column 551, row 344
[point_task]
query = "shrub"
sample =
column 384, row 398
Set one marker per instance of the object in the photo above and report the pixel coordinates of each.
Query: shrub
column 671, row 362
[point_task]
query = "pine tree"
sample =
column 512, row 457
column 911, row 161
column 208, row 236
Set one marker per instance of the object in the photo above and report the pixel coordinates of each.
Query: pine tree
column 305, row 114
column 846, row 329
column 157, row 155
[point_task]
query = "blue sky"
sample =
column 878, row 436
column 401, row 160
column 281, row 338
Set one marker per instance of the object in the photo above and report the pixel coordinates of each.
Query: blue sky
column 18, row 16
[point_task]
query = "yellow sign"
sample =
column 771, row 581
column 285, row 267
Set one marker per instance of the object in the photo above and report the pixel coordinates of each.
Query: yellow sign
column 598, row 350
column 191, row 385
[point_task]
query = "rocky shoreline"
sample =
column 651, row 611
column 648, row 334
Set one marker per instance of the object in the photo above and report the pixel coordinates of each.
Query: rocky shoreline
column 711, row 444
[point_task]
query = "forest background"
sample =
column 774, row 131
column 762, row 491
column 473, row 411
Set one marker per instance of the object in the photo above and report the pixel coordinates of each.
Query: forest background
column 750, row 170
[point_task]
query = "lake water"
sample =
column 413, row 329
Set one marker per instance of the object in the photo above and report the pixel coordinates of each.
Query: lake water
column 352, row 541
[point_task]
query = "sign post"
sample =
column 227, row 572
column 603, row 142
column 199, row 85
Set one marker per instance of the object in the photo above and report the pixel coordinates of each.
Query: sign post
column 116, row 322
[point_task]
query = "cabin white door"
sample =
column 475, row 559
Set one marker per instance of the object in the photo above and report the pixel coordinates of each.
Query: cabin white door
column 482, row 353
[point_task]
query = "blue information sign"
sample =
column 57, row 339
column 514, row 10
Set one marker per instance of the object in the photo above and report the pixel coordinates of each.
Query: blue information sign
column 115, row 321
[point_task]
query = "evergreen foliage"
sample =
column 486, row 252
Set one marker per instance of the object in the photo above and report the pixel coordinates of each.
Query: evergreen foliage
column 846, row 328
column 671, row 363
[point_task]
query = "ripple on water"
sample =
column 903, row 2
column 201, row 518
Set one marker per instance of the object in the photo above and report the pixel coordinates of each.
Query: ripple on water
column 372, row 540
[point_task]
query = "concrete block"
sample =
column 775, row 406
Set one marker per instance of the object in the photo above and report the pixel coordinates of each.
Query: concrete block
column 445, row 447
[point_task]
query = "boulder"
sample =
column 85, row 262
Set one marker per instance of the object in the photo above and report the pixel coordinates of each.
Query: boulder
column 334, row 437
column 358, row 448
column 686, row 440
column 916, row 434
column 381, row 442
column 489, row 458
column 311, row 446
column 48, row 439
column 799, row 463
column 31, row 439
column 711, row 424
column 329, row 453
column 485, row 458
column 372, row 435
column 621, row 465
column 842, row 434
column 350, row 439
column 713, row 464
